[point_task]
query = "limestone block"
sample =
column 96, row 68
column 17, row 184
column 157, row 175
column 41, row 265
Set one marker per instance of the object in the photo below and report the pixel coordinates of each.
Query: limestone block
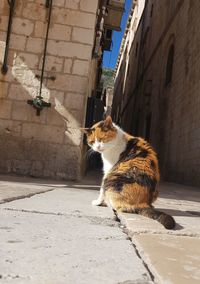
column 18, row 42
column 56, row 31
column 67, row 65
column 18, row 7
column 60, row 3
column 69, row 83
column 54, row 118
column 73, row 18
column 24, row 112
column 12, row 147
column 11, row 57
column 34, row 11
column 10, row 127
column 5, row 108
column 5, row 166
column 89, row 6
column 21, row 167
column 22, row 26
column 69, row 49
column 72, row 4
column 60, row 32
column 80, row 19
column 2, row 50
column 8, row 77
column 2, row 36
column 37, row 168
column 4, row 8
column 83, row 35
column 35, row 150
column 3, row 23
column 81, row 67
column 27, row 60
column 27, row 78
column 70, row 117
column 3, row 89
column 52, row 63
column 40, row 29
column 74, row 101
column 35, row 45
column 79, row 116
column 73, row 136
column 56, row 97
column 43, row 132
column 63, row 168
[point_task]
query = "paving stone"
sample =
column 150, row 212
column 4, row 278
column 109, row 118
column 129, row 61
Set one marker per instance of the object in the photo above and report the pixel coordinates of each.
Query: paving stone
column 174, row 259
column 59, row 237
column 173, row 256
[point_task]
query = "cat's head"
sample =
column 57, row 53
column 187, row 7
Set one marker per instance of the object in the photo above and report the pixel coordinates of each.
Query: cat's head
column 102, row 135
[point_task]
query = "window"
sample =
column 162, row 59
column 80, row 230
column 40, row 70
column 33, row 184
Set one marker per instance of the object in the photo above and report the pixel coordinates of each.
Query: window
column 108, row 33
column 128, row 69
column 169, row 66
column 136, row 49
column 151, row 12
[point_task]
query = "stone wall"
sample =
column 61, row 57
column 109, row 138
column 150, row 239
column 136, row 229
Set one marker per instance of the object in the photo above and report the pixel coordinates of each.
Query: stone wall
column 126, row 71
column 174, row 107
column 49, row 145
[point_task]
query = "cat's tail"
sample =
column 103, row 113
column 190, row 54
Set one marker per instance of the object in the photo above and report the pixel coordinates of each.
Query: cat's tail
column 166, row 220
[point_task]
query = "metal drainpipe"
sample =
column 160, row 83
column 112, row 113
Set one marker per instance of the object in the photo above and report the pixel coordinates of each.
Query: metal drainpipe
column 48, row 5
column 4, row 68
column 38, row 103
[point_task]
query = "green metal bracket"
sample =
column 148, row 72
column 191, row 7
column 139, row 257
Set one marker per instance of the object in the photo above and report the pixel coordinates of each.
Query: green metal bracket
column 38, row 103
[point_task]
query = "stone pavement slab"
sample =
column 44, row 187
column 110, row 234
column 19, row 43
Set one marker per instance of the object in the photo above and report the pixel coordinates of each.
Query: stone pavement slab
column 170, row 258
column 57, row 237
column 173, row 256
column 12, row 187
column 51, row 249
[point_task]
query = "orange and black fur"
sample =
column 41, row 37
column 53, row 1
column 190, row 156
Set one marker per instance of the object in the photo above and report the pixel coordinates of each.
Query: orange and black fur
column 130, row 183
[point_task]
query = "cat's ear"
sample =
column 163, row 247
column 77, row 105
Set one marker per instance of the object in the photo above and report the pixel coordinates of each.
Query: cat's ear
column 108, row 121
column 86, row 130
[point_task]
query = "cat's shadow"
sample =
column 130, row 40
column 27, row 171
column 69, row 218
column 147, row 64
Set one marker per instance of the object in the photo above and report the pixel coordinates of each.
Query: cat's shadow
column 175, row 212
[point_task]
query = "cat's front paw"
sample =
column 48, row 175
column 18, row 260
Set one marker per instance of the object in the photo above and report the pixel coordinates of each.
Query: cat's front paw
column 96, row 202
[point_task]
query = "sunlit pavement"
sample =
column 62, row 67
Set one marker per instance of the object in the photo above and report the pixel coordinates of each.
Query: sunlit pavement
column 50, row 233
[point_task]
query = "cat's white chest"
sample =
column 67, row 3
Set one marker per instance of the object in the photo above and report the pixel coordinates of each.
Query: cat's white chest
column 111, row 155
column 107, row 166
column 109, row 161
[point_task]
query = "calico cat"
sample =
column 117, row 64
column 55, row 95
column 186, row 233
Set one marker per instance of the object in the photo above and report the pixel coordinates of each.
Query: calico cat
column 131, row 171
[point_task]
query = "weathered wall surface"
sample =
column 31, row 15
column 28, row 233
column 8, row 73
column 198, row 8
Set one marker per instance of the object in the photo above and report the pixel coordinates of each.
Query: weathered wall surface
column 127, row 66
column 174, row 107
column 48, row 145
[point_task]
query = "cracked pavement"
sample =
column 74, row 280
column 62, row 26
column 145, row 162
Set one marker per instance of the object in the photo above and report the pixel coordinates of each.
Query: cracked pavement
column 57, row 237
column 51, row 234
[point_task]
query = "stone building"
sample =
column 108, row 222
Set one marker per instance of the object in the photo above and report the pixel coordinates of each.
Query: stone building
column 157, row 84
column 50, row 54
